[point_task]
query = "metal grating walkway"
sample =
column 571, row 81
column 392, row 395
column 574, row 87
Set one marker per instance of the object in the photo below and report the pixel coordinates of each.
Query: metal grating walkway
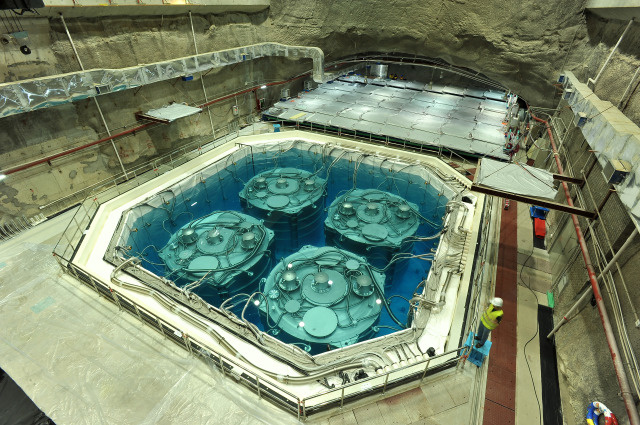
column 500, row 397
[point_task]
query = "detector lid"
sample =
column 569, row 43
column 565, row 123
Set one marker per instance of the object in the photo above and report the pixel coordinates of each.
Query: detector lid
column 277, row 201
column 292, row 306
column 320, row 322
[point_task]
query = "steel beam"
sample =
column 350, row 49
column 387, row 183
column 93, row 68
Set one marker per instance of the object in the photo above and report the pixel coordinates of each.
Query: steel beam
column 535, row 201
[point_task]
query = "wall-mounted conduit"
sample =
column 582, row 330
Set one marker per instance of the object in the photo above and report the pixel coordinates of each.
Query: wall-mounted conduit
column 44, row 92
column 136, row 128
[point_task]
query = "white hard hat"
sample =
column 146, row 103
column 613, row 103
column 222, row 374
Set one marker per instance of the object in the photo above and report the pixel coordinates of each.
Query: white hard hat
column 497, row 302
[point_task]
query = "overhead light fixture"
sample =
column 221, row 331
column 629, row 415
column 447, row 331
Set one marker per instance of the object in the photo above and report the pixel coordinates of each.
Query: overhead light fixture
column 2, row 177
column 256, row 302
column 264, row 86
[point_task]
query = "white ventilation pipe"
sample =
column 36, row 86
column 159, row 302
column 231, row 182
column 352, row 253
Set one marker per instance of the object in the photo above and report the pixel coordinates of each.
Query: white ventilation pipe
column 27, row 95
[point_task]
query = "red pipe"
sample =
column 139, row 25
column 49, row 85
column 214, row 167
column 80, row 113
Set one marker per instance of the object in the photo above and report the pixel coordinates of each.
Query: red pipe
column 632, row 412
column 134, row 129
column 254, row 88
column 70, row 151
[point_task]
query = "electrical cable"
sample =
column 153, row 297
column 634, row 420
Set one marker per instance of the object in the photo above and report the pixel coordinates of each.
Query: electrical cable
column 524, row 349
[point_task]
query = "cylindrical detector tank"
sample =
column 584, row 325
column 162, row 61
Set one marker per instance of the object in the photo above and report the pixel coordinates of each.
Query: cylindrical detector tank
column 226, row 252
column 372, row 223
column 290, row 201
column 323, row 297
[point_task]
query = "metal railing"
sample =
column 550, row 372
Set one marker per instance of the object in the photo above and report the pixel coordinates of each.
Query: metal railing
column 378, row 139
column 301, row 407
column 93, row 196
column 264, row 387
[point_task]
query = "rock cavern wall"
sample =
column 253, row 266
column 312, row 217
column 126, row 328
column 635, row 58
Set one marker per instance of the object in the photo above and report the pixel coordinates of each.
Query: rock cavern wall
column 524, row 46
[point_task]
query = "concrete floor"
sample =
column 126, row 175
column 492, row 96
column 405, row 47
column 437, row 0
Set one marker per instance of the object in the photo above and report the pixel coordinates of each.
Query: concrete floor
column 83, row 361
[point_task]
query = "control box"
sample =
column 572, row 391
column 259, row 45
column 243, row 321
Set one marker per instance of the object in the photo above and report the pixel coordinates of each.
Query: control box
column 616, row 170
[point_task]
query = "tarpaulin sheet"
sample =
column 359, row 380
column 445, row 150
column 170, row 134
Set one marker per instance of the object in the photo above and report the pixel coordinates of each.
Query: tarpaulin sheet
column 516, row 178
column 173, row 111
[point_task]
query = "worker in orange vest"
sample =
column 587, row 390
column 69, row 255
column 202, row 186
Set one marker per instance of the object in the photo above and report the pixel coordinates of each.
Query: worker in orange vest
column 490, row 320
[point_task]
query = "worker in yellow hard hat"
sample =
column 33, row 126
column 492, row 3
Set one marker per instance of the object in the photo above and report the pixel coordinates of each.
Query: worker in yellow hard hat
column 490, row 320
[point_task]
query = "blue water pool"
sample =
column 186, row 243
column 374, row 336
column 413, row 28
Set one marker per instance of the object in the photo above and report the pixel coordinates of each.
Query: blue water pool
column 159, row 223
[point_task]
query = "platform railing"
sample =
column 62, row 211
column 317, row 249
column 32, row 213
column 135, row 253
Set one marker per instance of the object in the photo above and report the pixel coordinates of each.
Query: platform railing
column 446, row 155
column 264, row 387
column 91, row 197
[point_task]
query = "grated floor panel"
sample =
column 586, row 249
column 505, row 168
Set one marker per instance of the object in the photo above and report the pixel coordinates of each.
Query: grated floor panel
column 500, row 395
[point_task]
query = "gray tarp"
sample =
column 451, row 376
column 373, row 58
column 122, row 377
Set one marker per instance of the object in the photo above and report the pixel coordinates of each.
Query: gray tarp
column 516, row 178
column 173, row 111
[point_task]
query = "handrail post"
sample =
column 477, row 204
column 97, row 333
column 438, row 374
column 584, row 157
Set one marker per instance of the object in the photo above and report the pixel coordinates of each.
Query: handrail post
column 342, row 398
column 384, row 387
column 258, row 387
column 425, row 370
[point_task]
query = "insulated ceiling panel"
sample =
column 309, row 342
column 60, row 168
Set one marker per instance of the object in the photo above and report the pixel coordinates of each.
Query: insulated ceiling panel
column 429, row 123
column 459, row 128
column 332, row 108
column 343, row 122
column 370, row 127
column 355, row 111
column 455, row 143
column 494, row 95
column 379, row 115
column 495, row 105
column 424, row 97
column 440, row 110
column 318, row 118
column 446, row 99
column 489, row 149
column 397, row 132
column 383, row 108
column 398, row 84
column 454, row 90
column 392, row 104
column 415, row 85
column 368, row 89
column 371, row 100
column 294, row 114
column 475, row 92
column 435, row 87
column 465, row 114
column 469, row 102
column 405, row 120
column 424, row 137
column 416, row 107
column 489, row 133
column 347, row 87
column 385, row 91
column 404, row 94
column 491, row 117
column 349, row 97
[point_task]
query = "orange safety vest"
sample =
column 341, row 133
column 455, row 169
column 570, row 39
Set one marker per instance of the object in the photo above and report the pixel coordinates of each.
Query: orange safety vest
column 490, row 317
